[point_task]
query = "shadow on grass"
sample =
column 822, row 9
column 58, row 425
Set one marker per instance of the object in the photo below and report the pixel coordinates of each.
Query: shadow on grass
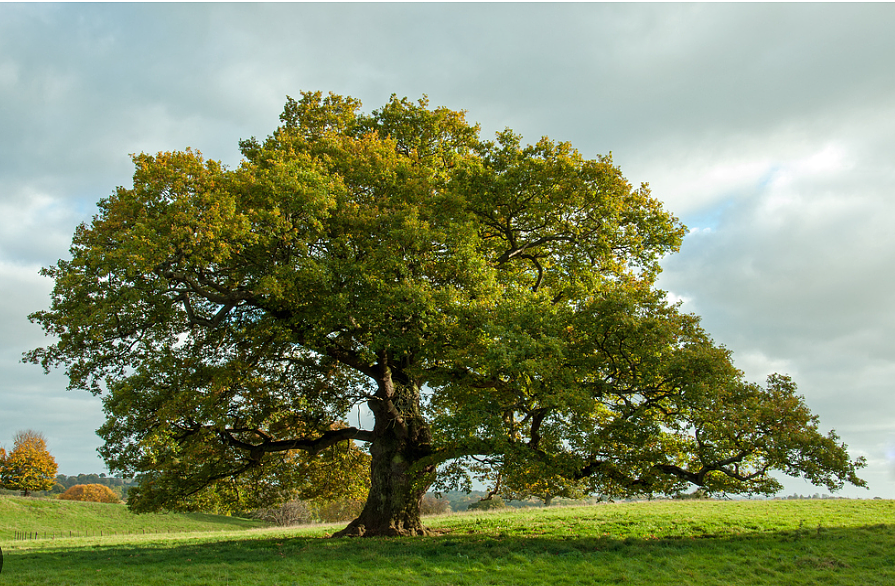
column 861, row 555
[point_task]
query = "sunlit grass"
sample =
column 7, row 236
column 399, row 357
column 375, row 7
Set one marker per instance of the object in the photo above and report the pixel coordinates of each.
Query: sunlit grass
column 58, row 518
column 659, row 543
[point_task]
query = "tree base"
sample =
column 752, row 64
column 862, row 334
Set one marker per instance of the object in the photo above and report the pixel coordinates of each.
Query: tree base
column 358, row 529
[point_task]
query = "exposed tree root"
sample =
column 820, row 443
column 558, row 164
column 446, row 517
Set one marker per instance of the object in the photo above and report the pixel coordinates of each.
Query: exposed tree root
column 358, row 529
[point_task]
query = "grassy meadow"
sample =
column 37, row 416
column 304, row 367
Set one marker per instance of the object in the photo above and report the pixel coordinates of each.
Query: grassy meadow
column 52, row 518
column 651, row 543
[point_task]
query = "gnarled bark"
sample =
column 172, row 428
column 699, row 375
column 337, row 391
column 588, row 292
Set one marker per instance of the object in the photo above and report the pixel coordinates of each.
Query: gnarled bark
column 398, row 482
column 397, row 488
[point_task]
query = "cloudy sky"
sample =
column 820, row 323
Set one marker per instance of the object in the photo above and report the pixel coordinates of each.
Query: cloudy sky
column 769, row 129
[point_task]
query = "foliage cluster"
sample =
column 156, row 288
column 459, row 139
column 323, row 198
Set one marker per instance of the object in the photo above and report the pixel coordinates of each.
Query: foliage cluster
column 97, row 493
column 29, row 466
column 333, row 480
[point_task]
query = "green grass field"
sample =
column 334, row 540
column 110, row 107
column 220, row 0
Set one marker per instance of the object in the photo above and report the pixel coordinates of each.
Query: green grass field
column 57, row 518
column 657, row 543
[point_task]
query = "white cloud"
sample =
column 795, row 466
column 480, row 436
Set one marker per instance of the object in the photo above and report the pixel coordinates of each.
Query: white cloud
column 757, row 365
column 673, row 297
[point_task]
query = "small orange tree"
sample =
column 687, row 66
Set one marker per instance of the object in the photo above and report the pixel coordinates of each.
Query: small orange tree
column 29, row 466
column 96, row 493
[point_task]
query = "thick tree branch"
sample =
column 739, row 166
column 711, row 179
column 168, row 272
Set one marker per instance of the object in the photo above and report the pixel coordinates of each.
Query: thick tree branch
column 521, row 250
column 199, row 320
column 647, row 481
column 312, row 446
column 536, row 420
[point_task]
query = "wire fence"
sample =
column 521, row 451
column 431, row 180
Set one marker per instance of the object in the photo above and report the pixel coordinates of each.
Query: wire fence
column 24, row 535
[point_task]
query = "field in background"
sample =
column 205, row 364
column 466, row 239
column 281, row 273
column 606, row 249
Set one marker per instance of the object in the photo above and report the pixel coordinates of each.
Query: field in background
column 48, row 518
column 809, row 542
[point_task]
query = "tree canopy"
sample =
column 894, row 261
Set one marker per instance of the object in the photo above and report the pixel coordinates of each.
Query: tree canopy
column 29, row 466
column 490, row 302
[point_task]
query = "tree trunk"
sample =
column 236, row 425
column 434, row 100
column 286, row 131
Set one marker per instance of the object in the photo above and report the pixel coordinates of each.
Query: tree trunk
column 396, row 492
column 398, row 482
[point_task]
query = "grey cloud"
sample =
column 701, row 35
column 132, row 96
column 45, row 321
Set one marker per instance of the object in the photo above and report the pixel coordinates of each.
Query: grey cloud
column 794, row 274
column 69, row 420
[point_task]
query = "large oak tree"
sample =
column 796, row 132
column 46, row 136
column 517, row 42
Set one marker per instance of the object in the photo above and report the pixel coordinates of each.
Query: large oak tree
column 488, row 301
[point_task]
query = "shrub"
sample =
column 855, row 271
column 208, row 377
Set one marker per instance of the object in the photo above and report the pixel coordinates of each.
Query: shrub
column 96, row 493
column 434, row 506
column 295, row 512
column 298, row 512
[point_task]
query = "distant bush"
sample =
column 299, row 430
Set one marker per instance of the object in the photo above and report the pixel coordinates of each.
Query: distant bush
column 299, row 512
column 434, row 506
column 96, row 493
column 295, row 512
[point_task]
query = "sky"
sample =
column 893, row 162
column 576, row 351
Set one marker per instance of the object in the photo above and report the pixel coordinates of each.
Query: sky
column 769, row 129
